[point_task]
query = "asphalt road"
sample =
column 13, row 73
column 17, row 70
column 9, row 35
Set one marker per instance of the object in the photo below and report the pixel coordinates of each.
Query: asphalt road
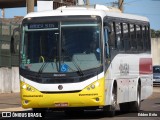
column 150, row 110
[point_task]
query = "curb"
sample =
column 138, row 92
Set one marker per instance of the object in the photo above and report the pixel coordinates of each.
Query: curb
column 14, row 109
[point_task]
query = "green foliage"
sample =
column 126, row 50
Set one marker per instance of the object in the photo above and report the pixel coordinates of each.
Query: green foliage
column 155, row 33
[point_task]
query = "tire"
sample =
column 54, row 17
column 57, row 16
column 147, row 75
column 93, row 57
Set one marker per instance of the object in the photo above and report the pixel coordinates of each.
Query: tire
column 132, row 106
column 135, row 106
column 124, row 107
column 111, row 109
column 39, row 110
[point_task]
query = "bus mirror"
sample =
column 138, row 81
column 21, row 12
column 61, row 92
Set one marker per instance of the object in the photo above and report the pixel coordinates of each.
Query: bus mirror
column 13, row 40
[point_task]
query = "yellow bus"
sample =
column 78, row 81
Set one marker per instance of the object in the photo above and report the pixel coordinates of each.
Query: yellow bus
column 78, row 58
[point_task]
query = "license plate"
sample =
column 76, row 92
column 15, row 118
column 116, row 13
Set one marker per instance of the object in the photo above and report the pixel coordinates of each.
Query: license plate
column 61, row 104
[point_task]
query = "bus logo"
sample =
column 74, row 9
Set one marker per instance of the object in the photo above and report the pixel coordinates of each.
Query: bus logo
column 60, row 87
column 124, row 69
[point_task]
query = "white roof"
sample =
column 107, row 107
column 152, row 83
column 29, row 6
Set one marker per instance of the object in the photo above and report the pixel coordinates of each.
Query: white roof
column 65, row 11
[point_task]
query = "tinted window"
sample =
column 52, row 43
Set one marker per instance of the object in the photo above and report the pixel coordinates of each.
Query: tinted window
column 119, row 40
column 156, row 69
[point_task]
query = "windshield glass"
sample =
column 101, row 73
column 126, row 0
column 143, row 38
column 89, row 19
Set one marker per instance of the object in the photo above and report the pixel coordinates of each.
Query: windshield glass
column 61, row 46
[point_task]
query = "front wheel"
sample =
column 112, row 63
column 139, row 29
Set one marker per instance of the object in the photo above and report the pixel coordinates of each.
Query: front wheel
column 111, row 109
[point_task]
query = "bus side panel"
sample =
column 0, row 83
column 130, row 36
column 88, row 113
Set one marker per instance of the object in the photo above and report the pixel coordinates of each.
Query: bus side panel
column 133, row 89
column 125, row 69
column 146, row 86
column 145, row 71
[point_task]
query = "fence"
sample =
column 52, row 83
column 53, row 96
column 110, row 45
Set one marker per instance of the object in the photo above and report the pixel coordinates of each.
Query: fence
column 9, row 62
column 9, row 80
column 6, row 31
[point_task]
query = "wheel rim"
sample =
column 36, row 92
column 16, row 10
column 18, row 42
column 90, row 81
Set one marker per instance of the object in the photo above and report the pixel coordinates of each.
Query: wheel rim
column 114, row 99
column 138, row 98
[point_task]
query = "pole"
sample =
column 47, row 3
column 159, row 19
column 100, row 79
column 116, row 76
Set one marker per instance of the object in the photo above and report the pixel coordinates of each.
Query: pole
column 120, row 5
column 87, row 2
column 30, row 6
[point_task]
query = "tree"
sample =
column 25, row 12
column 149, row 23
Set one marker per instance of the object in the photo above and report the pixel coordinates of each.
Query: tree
column 155, row 33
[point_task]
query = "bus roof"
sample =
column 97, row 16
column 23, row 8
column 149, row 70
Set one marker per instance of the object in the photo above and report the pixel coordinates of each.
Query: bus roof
column 73, row 11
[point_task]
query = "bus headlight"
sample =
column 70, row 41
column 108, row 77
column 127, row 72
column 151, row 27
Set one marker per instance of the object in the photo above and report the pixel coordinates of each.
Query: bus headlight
column 97, row 84
column 93, row 86
column 27, row 87
column 24, row 86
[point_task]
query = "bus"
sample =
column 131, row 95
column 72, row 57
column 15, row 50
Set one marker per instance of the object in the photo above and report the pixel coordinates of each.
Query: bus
column 85, row 58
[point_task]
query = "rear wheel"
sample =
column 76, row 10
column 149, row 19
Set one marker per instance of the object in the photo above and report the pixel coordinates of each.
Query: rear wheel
column 135, row 106
column 132, row 106
column 124, row 107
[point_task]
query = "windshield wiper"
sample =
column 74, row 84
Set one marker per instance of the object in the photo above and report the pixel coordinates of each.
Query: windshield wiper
column 79, row 72
column 42, row 68
column 44, row 65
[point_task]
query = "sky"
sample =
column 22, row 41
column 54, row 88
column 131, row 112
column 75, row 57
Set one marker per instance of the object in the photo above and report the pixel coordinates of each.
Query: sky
column 147, row 8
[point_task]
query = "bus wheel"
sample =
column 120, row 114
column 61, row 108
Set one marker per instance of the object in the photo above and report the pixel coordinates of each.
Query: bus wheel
column 135, row 106
column 124, row 107
column 110, row 110
column 41, row 111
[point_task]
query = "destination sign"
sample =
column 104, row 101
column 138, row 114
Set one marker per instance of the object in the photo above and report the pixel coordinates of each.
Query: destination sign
column 43, row 25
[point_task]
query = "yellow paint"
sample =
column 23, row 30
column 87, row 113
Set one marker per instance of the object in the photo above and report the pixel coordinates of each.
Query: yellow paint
column 85, row 98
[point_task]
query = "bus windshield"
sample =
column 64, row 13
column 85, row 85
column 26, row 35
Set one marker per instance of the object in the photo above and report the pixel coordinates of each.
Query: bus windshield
column 66, row 46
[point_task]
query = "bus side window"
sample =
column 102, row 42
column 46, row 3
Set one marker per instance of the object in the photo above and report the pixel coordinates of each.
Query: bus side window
column 133, row 37
column 119, row 40
column 144, row 37
column 148, row 41
column 139, row 37
column 127, row 42
column 106, row 40
column 112, row 36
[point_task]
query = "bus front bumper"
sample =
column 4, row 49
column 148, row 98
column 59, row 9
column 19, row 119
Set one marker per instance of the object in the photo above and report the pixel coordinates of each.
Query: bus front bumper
column 88, row 97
